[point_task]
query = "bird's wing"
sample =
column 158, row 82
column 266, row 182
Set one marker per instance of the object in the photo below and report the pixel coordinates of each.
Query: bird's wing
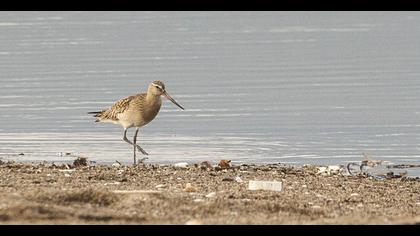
column 118, row 107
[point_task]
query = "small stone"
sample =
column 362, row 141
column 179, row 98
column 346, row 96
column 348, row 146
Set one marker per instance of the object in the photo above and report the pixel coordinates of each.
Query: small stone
column 181, row 165
column 160, row 186
column 116, row 165
column 198, row 200
column 316, row 207
column 206, row 165
column 354, row 194
column 304, row 186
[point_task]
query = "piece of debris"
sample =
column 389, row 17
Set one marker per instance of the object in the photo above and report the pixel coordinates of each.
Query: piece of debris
column 21, row 154
column 224, row 164
column 228, row 179
column 329, row 170
column 238, row 179
column 265, row 185
column 80, row 161
column 189, row 188
column 181, row 165
column 211, row 195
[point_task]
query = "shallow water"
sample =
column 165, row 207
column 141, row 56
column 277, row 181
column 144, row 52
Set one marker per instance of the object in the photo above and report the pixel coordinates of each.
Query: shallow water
column 291, row 87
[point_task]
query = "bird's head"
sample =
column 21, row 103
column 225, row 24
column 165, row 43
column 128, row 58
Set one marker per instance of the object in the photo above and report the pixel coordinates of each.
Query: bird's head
column 157, row 88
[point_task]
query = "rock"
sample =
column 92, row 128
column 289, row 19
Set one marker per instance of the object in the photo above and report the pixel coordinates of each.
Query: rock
column 160, row 186
column 211, row 195
column 198, row 200
column 181, row 165
column 205, row 165
column 265, row 185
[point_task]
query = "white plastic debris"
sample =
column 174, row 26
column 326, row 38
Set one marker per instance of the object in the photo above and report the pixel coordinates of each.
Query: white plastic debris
column 160, row 186
column 265, row 185
column 181, row 165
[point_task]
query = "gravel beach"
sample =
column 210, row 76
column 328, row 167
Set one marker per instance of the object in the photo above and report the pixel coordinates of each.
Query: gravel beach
column 80, row 193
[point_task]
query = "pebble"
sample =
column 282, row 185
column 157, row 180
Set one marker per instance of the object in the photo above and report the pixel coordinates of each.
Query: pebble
column 198, row 200
column 181, row 165
column 316, row 207
column 160, row 186
column 116, row 164
column 189, row 188
column 354, row 194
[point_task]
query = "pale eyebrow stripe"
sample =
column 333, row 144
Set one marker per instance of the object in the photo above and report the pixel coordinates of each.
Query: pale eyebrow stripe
column 157, row 85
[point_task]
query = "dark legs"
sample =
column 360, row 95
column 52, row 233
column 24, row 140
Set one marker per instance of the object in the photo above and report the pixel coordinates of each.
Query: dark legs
column 135, row 145
column 135, row 141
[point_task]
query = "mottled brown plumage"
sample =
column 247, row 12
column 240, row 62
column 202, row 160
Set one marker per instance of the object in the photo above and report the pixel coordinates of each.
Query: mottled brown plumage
column 136, row 111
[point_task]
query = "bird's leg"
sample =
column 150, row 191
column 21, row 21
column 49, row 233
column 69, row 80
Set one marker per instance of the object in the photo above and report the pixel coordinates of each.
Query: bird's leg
column 135, row 140
column 141, row 149
column 128, row 141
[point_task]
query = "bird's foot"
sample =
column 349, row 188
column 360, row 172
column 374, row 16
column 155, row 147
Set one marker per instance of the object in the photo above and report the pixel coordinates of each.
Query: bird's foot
column 141, row 150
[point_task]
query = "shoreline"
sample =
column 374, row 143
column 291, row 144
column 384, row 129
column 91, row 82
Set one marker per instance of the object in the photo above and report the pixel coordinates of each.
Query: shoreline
column 200, row 193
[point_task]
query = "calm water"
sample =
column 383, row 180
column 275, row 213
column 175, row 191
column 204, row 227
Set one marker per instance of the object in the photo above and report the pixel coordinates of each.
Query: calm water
column 290, row 87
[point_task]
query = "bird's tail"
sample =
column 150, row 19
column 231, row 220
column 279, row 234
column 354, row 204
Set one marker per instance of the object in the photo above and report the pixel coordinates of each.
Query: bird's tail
column 96, row 114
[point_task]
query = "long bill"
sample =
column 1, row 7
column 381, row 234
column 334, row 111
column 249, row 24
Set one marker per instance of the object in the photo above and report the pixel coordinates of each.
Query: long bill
column 172, row 100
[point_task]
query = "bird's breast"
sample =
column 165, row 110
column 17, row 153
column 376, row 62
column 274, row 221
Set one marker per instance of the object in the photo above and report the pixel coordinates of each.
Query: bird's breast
column 150, row 110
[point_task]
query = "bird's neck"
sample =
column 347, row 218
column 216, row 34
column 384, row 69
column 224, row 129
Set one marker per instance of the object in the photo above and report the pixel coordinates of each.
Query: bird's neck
column 151, row 98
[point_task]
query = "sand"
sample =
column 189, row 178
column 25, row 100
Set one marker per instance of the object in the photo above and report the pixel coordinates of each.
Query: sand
column 163, row 194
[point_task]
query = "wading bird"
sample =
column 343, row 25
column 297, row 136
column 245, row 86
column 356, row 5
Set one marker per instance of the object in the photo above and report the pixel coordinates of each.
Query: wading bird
column 136, row 111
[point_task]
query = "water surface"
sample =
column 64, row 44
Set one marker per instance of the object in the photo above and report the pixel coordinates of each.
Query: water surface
column 290, row 87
